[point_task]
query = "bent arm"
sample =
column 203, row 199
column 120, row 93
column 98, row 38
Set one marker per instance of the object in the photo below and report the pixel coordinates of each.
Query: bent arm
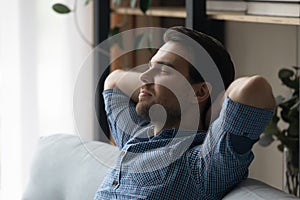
column 253, row 91
column 224, row 157
column 127, row 81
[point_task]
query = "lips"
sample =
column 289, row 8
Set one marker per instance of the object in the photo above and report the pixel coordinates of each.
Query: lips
column 144, row 93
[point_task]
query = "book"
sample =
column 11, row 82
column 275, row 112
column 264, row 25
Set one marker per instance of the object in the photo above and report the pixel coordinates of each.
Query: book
column 226, row 5
column 283, row 9
column 279, row 1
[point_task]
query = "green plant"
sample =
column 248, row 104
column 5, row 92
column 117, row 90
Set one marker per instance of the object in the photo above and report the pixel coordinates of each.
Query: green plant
column 287, row 111
column 64, row 9
column 60, row 8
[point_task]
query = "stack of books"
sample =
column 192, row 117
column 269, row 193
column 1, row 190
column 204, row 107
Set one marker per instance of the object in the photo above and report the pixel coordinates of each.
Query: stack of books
column 226, row 5
column 283, row 8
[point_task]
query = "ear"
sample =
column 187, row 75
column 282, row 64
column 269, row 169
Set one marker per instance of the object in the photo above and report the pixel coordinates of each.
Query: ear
column 214, row 110
column 202, row 92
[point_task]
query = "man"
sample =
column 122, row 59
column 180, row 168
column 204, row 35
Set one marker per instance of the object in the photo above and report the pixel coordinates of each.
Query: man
column 159, row 121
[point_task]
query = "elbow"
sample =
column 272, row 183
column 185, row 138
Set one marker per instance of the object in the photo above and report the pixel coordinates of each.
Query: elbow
column 260, row 91
column 257, row 92
column 111, row 80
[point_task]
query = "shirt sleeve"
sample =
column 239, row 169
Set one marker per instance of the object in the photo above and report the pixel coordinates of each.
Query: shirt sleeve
column 216, row 166
column 124, row 122
column 243, row 120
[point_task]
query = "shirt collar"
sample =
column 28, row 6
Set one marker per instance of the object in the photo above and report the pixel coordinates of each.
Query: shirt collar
column 172, row 133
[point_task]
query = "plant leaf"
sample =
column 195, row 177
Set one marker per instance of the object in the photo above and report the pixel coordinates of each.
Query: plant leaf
column 288, row 103
column 272, row 128
column 290, row 110
column 296, row 105
column 115, row 40
column 280, row 147
column 293, row 129
column 279, row 99
column 61, row 8
column 285, row 115
column 87, row 2
column 145, row 5
column 117, row 2
column 292, row 142
column 294, row 84
column 265, row 139
column 139, row 41
column 150, row 44
column 285, row 73
column 132, row 3
column 296, row 68
column 286, row 76
column 113, row 31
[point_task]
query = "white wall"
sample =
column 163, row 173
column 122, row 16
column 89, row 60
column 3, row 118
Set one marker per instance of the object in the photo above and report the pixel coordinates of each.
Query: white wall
column 264, row 49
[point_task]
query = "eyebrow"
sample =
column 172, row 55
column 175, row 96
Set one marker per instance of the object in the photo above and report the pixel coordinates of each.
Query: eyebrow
column 162, row 63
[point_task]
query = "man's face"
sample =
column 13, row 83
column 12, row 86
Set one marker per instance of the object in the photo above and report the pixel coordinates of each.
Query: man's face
column 165, row 83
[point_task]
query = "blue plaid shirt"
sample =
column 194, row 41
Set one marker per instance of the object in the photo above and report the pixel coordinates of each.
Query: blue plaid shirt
column 178, row 164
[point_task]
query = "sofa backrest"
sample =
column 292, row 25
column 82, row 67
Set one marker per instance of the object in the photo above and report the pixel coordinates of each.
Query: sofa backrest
column 67, row 168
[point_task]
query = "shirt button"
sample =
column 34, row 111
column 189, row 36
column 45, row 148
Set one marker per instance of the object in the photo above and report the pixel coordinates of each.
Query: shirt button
column 123, row 153
column 114, row 183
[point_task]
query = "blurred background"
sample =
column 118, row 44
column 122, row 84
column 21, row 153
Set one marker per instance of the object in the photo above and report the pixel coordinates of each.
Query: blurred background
column 42, row 52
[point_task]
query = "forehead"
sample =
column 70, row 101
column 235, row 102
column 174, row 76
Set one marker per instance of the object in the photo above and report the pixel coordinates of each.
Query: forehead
column 172, row 53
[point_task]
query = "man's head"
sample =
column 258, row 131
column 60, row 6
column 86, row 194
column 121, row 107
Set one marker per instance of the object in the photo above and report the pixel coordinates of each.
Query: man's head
column 213, row 47
column 170, row 76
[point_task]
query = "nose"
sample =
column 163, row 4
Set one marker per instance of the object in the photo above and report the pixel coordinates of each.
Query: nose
column 147, row 76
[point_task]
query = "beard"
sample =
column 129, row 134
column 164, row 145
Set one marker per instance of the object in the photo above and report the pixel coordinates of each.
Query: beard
column 142, row 110
column 157, row 114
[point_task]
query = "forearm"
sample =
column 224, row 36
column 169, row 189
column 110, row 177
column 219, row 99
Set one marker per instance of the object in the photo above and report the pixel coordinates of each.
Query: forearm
column 127, row 81
column 122, row 117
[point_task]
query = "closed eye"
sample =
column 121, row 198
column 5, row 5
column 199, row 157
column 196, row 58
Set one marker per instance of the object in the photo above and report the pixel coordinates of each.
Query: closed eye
column 165, row 69
column 160, row 67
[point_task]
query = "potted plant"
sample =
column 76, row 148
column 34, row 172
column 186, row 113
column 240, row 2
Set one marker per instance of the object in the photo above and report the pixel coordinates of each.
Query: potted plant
column 287, row 111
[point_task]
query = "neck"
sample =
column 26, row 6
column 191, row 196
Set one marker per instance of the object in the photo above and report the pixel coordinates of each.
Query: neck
column 187, row 122
column 158, row 127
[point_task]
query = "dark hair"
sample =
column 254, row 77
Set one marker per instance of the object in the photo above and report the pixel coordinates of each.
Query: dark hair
column 213, row 47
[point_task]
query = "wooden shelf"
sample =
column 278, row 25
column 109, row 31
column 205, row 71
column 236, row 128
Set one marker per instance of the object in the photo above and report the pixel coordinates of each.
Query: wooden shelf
column 242, row 17
column 180, row 12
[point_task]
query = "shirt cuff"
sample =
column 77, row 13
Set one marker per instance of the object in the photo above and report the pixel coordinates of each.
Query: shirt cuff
column 111, row 97
column 244, row 120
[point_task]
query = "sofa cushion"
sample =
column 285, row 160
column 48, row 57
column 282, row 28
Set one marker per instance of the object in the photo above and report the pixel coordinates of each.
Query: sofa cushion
column 65, row 168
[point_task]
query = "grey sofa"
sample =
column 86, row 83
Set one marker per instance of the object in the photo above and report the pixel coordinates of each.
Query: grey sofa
column 67, row 168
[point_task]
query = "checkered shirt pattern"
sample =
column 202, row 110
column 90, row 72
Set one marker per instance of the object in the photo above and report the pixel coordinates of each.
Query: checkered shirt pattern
column 177, row 164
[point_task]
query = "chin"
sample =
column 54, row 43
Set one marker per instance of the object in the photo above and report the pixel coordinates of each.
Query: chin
column 142, row 109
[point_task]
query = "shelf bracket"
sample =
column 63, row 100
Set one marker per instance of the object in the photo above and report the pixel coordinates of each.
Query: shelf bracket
column 101, row 31
column 197, row 19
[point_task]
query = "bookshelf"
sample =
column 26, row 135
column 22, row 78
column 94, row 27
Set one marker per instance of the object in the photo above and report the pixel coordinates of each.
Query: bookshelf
column 180, row 12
